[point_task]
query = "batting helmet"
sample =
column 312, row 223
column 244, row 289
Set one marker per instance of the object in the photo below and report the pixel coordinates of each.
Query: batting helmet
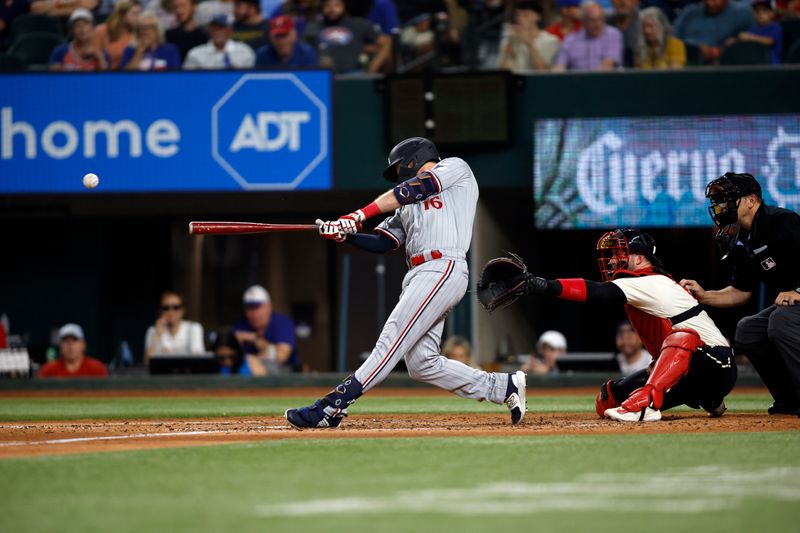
column 408, row 156
column 725, row 192
column 615, row 248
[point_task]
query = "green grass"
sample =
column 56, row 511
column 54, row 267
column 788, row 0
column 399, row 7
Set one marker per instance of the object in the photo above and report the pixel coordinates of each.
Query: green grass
column 120, row 408
column 687, row 482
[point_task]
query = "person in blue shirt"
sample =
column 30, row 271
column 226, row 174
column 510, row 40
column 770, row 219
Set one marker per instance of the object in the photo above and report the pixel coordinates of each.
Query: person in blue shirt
column 232, row 361
column 150, row 51
column 710, row 23
column 384, row 14
column 284, row 49
column 766, row 30
column 267, row 335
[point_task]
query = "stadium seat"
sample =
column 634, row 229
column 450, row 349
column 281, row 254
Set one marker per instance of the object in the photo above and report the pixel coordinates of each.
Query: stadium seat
column 793, row 54
column 745, row 54
column 11, row 64
column 35, row 48
column 694, row 57
column 28, row 23
column 791, row 35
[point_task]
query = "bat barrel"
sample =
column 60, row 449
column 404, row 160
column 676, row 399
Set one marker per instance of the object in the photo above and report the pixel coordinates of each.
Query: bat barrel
column 240, row 228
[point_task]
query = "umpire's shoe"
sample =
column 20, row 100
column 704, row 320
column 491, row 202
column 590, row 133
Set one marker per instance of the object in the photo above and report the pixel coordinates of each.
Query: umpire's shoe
column 315, row 416
column 780, row 408
column 515, row 396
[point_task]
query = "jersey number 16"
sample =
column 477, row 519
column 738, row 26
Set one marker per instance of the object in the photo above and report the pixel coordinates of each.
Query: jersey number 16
column 434, row 202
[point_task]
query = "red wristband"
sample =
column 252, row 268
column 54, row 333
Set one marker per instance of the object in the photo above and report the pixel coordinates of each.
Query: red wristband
column 573, row 289
column 371, row 210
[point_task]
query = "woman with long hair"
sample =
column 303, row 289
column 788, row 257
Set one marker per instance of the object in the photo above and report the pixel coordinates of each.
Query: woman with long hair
column 656, row 45
column 116, row 33
column 171, row 334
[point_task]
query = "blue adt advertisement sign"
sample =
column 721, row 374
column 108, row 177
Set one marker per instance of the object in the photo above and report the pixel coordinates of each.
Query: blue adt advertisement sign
column 645, row 172
column 179, row 131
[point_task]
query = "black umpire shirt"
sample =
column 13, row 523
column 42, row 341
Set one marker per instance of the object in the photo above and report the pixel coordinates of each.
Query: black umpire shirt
column 769, row 252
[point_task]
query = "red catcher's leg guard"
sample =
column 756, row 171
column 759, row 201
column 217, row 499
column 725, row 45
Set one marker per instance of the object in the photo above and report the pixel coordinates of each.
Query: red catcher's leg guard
column 671, row 365
column 605, row 400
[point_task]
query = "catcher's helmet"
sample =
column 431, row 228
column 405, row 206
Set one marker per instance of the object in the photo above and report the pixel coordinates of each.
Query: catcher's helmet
column 408, row 156
column 725, row 192
column 615, row 247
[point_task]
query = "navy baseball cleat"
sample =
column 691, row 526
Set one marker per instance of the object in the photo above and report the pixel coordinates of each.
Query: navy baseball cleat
column 315, row 416
column 515, row 396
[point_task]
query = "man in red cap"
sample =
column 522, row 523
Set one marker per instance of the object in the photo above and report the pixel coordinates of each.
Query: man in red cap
column 284, row 49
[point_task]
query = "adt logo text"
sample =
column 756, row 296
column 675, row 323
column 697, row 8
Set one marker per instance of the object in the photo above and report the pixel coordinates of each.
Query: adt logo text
column 270, row 132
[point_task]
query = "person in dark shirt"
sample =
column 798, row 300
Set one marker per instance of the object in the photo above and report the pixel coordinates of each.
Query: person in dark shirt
column 9, row 10
column 188, row 34
column 249, row 26
column 765, row 248
column 284, row 49
column 766, row 30
column 344, row 42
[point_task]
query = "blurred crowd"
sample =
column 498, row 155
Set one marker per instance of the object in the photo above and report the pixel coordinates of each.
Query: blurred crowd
column 383, row 36
column 261, row 342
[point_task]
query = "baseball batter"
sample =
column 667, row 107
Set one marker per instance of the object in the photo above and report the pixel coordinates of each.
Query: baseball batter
column 434, row 206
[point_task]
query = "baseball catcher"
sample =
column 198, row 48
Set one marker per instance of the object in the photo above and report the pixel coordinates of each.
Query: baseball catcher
column 694, row 363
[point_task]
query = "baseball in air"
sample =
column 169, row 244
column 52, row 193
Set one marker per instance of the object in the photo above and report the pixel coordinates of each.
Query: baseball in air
column 90, row 181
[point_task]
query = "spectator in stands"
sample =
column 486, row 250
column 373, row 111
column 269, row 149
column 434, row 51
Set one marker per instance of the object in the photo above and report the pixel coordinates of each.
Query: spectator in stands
column 73, row 361
column 80, row 53
column 211, row 9
column 284, row 49
column 341, row 40
column 150, row 52
column 116, row 34
column 457, row 348
column 656, row 46
column 631, row 354
column 595, row 47
column 569, row 19
column 420, row 20
column 164, row 10
column 384, row 14
column 171, row 334
column 301, row 11
column 710, row 23
column 249, row 26
column 61, row 8
column 269, row 336
column 220, row 52
column 525, row 47
column 626, row 19
column 188, row 33
column 233, row 361
column 550, row 346
column 9, row 10
column 765, row 31
column 484, row 33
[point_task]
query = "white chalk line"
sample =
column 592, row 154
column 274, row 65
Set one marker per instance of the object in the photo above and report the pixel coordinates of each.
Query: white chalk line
column 686, row 491
column 137, row 436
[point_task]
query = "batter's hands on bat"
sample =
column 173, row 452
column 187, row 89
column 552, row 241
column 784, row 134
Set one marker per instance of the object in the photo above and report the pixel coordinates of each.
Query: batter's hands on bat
column 351, row 223
column 695, row 288
column 330, row 229
column 787, row 298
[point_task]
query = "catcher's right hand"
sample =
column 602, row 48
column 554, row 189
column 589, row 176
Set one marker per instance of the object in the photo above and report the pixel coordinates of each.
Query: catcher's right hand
column 502, row 281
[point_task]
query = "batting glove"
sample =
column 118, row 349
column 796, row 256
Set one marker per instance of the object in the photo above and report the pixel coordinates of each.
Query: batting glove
column 330, row 230
column 351, row 223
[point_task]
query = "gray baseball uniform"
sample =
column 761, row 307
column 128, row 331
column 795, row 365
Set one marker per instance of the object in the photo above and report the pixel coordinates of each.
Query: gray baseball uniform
column 441, row 223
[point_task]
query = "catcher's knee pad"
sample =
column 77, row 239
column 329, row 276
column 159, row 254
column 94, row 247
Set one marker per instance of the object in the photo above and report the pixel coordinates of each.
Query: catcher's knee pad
column 670, row 366
column 605, row 399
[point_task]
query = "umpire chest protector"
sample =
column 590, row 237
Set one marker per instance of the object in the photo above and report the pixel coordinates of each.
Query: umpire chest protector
column 769, row 252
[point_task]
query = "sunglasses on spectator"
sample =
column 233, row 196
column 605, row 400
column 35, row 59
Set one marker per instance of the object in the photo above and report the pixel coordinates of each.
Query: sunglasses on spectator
column 174, row 307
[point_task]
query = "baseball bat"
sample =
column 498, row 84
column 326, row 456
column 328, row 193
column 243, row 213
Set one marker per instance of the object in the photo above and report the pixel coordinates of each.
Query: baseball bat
column 241, row 228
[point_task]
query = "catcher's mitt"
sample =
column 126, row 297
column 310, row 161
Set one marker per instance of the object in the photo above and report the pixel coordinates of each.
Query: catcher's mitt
column 502, row 281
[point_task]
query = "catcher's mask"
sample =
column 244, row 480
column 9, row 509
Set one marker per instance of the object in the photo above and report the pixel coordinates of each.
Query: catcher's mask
column 726, row 192
column 615, row 248
column 408, row 156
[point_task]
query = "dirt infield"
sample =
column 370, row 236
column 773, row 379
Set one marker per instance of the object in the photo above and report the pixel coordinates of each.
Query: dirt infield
column 21, row 439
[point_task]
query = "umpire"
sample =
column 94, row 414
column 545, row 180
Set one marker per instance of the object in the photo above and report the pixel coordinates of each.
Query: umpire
column 766, row 248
